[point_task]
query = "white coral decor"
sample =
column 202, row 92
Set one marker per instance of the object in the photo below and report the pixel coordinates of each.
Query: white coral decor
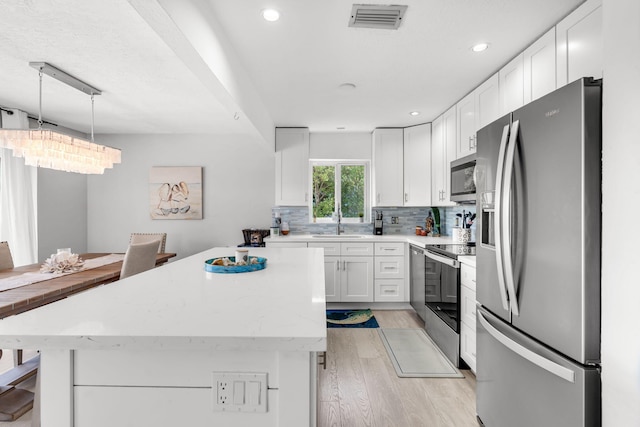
column 62, row 263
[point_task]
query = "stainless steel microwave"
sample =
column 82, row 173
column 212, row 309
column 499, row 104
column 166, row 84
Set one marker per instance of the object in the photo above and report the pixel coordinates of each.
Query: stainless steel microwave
column 463, row 179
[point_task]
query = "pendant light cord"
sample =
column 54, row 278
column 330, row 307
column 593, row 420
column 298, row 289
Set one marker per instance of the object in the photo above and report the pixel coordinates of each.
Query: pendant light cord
column 40, row 103
column 92, row 117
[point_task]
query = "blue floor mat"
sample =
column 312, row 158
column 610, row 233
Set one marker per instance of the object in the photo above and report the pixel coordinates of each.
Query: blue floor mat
column 351, row 319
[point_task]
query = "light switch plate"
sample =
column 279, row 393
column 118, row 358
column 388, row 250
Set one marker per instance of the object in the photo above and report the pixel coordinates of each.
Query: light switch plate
column 239, row 391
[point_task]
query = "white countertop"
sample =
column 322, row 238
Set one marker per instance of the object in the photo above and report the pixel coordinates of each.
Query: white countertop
column 180, row 306
column 421, row 241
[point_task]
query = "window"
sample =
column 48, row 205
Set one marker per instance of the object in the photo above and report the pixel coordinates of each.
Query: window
column 339, row 185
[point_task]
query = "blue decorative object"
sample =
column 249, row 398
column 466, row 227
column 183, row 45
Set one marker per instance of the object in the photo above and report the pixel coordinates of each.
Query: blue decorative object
column 211, row 268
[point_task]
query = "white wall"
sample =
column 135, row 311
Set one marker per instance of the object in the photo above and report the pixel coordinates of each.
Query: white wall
column 347, row 145
column 621, row 203
column 238, row 191
column 62, row 212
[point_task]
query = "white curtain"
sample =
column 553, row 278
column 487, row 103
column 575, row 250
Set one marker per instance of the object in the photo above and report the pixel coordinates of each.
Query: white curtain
column 18, row 198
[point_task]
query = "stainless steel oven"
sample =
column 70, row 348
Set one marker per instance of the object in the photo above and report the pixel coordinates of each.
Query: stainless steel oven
column 442, row 287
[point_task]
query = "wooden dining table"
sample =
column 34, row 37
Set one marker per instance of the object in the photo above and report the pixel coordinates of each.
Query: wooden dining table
column 14, row 401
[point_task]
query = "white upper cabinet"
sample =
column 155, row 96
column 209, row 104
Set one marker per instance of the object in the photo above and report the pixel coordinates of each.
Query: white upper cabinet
column 417, row 165
column 474, row 111
column 579, row 43
column 387, row 158
column 539, row 66
column 512, row 85
column 292, row 166
column 443, row 151
column 487, row 97
column 466, row 125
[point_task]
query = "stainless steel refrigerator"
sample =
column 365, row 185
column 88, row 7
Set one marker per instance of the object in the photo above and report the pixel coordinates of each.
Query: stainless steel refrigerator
column 538, row 175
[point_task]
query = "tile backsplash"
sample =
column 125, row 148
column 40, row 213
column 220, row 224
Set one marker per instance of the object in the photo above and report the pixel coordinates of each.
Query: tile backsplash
column 407, row 219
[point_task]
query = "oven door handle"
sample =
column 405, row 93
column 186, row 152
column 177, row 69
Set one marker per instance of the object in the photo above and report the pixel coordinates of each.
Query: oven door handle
column 448, row 261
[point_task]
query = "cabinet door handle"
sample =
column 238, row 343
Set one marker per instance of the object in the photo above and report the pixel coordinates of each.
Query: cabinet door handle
column 389, row 291
column 337, row 265
column 306, row 197
column 406, row 197
column 344, row 265
column 389, row 268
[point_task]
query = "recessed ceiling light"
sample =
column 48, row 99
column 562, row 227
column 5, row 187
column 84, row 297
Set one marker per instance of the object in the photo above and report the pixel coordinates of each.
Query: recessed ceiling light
column 480, row 47
column 414, row 113
column 270, row 15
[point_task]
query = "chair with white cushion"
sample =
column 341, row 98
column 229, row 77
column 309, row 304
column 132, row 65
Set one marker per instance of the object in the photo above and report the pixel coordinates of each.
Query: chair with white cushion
column 138, row 258
column 6, row 260
column 148, row 237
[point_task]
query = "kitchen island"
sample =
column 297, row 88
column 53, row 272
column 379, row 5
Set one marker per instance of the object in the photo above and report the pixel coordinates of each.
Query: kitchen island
column 165, row 347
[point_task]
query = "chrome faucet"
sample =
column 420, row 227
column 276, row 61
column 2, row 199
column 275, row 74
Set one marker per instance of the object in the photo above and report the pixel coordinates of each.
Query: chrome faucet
column 338, row 231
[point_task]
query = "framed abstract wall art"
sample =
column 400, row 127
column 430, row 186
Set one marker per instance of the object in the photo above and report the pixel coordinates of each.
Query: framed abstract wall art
column 175, row 192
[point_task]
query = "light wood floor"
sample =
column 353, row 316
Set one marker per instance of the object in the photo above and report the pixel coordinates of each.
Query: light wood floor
column 361, row 388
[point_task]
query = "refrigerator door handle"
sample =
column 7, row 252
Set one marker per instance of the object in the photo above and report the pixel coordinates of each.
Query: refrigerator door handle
column 542, row 362
column 498, row 214
column 506, row 219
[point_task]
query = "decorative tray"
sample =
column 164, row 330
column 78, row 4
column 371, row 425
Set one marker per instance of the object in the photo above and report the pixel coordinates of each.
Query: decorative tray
column 258, row 264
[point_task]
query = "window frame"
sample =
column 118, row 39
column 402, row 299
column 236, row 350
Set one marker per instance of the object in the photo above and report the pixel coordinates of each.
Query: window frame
column 337, row 164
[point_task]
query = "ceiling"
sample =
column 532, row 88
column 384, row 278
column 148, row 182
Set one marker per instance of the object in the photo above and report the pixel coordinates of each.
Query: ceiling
column 215, row 66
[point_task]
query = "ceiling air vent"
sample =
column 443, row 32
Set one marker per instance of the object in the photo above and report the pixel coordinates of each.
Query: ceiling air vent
column 377, row 16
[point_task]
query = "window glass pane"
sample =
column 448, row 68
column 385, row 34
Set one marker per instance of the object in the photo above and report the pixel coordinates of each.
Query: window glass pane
column 352, row 190
column 324, row 188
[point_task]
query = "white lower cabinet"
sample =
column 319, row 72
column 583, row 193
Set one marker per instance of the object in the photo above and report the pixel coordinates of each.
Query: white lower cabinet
column 468, row 315
column 348, row 271
column 356, row 280
column 389, row 272
column 332, row 272
column 389, row 290
column 361, row 272
column 468, row 345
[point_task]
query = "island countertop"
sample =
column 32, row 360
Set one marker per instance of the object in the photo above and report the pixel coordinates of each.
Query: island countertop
column 181, row 306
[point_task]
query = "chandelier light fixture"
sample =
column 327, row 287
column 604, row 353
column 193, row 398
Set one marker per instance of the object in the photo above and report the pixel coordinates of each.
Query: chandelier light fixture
column 54, row 150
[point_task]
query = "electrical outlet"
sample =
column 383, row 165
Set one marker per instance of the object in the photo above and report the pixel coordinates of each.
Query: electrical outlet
column 224, row 391
column 394, row 220
column 239, row 392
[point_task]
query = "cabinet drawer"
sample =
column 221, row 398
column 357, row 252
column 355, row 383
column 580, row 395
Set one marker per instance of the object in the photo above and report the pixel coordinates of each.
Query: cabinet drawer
column 383, row 249
column 468, row 306
column 468, row 276
column 330, row 248
column 356, row 249
column 468, row 345
column 389, row 290
column 389, row 267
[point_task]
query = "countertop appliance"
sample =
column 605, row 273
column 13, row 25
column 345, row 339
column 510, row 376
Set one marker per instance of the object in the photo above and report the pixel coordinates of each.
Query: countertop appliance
column 442, row 288
column 377, row 224
column 463, row 180
column 538, row 262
